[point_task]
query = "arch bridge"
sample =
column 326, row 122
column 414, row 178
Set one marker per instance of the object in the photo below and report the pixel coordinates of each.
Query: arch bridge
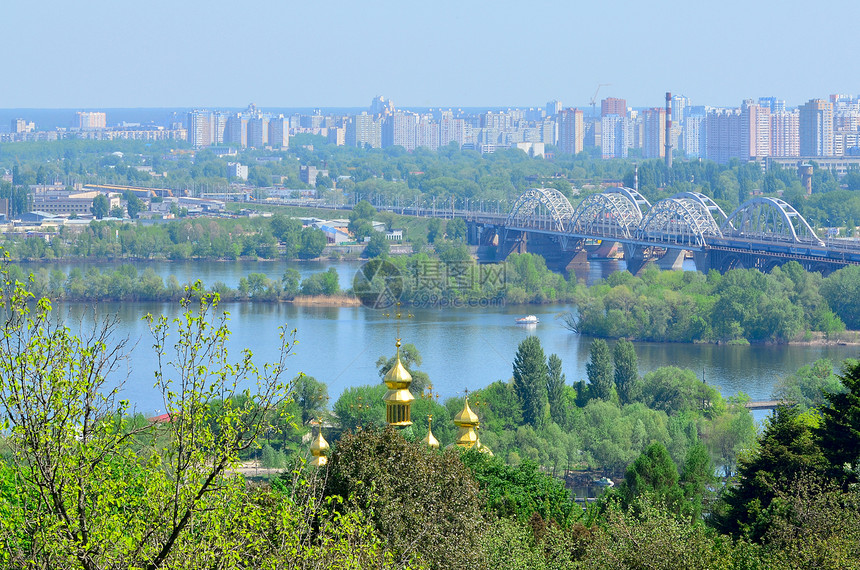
column 761, row 233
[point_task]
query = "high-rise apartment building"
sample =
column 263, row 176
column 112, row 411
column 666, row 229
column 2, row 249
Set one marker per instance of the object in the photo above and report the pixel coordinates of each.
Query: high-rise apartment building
column 236, row 130
column 553, row 108
column 694, row 133
column 200, row 128
column 613, row 106
column 427, row 133
column 279, row 132
column 451, row 130
column 364, row 131
column 571, row 131
column 654, row 132
column 754, row 131
column 219, row 125
column 22, row 126
column 773, row 104
column 613, row 137
column 399, row 130
column 816, row 128
column 258, row 131
column 785, row 133
column 89, row 120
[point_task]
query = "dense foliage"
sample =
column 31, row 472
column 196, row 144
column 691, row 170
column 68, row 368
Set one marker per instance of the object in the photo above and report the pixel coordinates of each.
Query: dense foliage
column 741, row 305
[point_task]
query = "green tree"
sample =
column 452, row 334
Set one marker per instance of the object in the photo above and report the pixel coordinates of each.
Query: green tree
column 422, row 502
column 360, row 219
column 456, row 229
column 530, row 380
column 134, row 205
column 599, row 370
column 100, row 207
column 313, row 243
column 323, row 283
column 787, row 449
column 806, row 388
column 290, row 282
column 522, row 490
column 376, row 247
column 839, row 432
column 108, row 489
column 310, row 395
column 410, row 357
column 434, row 226
column 626, row 371
column 555, row 385
column 652, row 474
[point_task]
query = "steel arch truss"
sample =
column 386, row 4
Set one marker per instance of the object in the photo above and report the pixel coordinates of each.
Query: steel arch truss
column 716, row 212
column 546, row 208
column 634, row 196
column 769, row 219
column 607, row 215
column 679, row 221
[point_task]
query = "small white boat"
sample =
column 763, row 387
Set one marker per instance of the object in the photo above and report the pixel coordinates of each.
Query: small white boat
column 527, row 320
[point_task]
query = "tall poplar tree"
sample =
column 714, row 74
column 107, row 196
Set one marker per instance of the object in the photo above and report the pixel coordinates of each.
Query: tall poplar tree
column 599, row 370
column 555, row 388
column 626, row 371
column 530, row 380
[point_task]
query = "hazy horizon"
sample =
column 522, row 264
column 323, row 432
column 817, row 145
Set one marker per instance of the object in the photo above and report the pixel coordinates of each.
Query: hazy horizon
column 499, row 54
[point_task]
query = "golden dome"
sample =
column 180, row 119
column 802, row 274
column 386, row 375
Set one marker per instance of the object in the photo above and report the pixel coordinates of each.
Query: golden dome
column 430, row 440
column 398, row 377
column 466, row 417
column 319, row 447
column 398, row 399
column 467, row 435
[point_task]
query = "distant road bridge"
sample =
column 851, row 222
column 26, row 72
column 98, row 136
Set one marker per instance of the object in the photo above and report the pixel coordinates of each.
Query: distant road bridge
column 761, row 233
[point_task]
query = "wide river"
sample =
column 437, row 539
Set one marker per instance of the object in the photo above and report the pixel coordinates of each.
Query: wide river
column 462, row 347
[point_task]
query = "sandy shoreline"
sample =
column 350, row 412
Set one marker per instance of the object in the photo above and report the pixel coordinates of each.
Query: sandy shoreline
column 325, row 301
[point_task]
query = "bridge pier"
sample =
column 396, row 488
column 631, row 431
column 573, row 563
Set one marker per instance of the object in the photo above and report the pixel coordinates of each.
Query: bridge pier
column 604, row 250
column 672, row 260
column 636, row 257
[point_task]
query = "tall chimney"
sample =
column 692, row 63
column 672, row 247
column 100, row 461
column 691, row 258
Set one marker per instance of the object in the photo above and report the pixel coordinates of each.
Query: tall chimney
column 668, row 130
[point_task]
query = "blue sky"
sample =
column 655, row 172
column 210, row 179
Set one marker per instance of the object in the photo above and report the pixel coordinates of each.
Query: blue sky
column 341, row 53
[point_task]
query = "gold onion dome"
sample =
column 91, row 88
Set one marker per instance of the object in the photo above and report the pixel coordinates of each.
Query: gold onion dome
column 467, row 436
column 319, row 448
column 430, row 440
column 398, row 399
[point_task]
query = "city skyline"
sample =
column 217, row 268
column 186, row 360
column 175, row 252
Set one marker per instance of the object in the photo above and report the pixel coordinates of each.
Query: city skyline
column 499, row 54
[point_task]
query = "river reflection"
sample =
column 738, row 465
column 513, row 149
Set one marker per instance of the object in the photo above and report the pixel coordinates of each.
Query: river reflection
column 461, row 347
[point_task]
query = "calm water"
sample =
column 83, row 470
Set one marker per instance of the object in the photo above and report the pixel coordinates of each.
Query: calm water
column 462, row 348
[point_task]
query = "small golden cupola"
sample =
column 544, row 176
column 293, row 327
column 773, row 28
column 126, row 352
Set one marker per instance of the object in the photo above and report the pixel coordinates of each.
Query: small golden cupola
column 319, row 449
column 398, row 399
column 467, row 436
column 430, row 440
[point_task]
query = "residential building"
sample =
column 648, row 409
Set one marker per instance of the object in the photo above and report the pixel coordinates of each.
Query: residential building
column 654, row 132
column 571, row 131
column 364, row 131
column 816, row 128
column 88, row 120
column 613, row 106
column 613, row 138
column 258, row 131
column 785, row 133
column 200, row 128
column 236, row 170
column 279, row 132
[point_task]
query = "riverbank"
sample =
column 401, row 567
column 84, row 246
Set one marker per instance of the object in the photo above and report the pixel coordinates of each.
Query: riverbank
column 845, row 338
column 325, row 301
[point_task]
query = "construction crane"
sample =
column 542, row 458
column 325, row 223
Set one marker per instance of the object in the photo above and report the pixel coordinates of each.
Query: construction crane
column 594, row 98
